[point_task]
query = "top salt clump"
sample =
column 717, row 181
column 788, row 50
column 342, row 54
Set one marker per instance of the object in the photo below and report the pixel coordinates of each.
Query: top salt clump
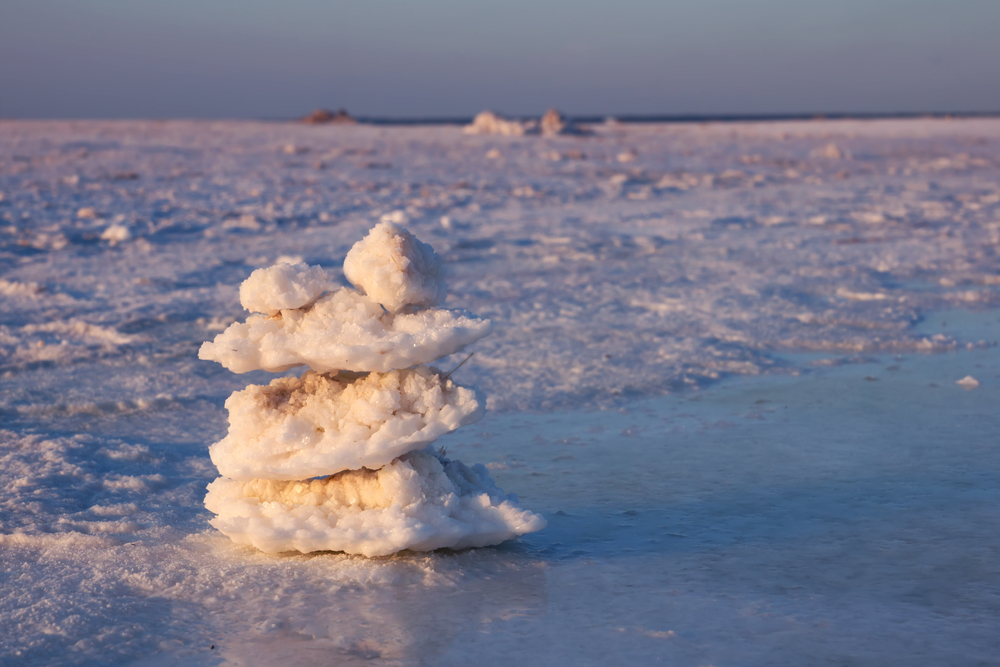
column 395, row 269
column 283, row 287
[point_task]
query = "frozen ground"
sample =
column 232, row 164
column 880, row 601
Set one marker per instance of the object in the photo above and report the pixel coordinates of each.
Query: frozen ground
column 831, row 501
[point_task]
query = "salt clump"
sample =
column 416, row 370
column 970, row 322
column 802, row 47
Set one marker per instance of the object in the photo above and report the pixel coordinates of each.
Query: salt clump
column 283, row 287
column 296, row 428
column 487, row 122
column 421, row 501
column 343, row 330
column 395, row 269
column 968, row 382
column 340, row 461
column 554, row 123
column 115, row 234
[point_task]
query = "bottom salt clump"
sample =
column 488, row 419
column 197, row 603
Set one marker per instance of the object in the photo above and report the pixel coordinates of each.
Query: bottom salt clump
column 421, row 501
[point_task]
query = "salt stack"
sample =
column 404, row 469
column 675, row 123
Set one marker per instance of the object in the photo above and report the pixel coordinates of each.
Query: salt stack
column 340, row 459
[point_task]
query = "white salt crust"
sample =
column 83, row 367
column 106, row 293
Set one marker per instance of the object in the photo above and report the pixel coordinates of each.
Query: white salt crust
column 421, row 501
column 297, row 428
column 283, row 286
column 396, row 269
column 343, row 330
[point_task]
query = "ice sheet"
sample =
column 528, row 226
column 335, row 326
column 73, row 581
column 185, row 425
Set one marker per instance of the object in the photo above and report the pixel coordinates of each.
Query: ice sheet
column 319, row 425
column 422, row 501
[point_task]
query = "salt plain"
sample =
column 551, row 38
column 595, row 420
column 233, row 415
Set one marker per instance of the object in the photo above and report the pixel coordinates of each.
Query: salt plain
column 723, row 368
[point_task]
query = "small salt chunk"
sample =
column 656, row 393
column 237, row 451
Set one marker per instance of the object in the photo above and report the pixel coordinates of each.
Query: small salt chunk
column 283, row 287
column 968, row 382
column 395, row 269
column 115, row 234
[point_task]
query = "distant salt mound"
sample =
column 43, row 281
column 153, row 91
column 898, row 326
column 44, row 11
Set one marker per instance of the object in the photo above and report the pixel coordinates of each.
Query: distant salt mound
column 283, row 287
column 395, row 269
column 298, row 428
column 554, row 123
column 325, row 116
column 487, row 122
column 421, row 501
column 343, row 330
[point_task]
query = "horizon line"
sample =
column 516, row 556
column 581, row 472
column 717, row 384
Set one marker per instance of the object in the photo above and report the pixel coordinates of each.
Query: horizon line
column 590, row 119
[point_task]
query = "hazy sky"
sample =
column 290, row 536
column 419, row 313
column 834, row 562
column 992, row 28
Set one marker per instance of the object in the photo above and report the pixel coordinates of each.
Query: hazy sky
column 271, row 59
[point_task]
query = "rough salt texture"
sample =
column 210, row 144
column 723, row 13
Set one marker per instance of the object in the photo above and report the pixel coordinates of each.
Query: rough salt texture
column 396, row 269
column 283, row 286
column 719, row 249
column 422, row 501
column 297, row 428
column 343, row 330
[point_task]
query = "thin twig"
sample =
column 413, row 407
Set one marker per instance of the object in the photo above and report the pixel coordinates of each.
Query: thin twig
column 459, row 366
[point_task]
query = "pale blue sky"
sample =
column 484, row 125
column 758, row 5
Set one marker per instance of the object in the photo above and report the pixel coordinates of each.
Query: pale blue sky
column 257, row 59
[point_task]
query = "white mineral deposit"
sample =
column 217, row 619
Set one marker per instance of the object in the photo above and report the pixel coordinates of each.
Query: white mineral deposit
column 420, row 501
column 487, row 122
column 330, row 461
column 343, row 330
column 395, row 269
column 320, row 424
column 283, row 287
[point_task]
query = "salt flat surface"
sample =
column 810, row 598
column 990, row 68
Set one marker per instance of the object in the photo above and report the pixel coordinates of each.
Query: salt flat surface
column 832, row 500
